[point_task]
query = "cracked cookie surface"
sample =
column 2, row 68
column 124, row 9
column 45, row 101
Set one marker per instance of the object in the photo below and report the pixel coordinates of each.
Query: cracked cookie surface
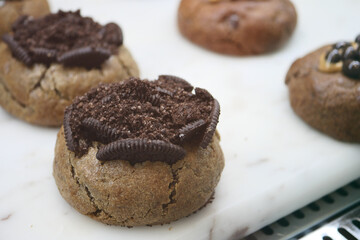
column 11, row 10
column 242, row 27
column 148, row 193
column 39, row 94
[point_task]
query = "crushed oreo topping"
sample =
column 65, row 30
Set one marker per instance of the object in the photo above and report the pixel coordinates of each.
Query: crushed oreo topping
column 64, row 37
column 175, row 82
column 140, row 120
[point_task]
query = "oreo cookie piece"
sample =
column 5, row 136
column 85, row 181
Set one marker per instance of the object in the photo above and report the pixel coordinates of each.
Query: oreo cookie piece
column 113, row 34
column 70, row 142
column 210, row 129
column 17, row 51
column 191, row 129
column 44, row 55
column 164, row 91
column 99, row 131
column 140, row 150
column 87, row 57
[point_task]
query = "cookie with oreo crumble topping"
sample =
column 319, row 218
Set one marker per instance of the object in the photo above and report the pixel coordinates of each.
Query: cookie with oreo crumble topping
column 139, row 152
column 46, row 62
column 10, row 10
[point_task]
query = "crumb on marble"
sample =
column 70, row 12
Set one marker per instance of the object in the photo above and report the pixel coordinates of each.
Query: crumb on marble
column 6, row 218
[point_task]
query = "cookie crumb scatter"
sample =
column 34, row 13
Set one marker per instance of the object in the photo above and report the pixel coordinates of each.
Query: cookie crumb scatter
column 138, row 122
column 6, row 218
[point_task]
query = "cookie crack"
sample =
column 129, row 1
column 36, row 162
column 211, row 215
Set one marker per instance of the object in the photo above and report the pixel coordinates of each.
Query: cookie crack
column 172, row 188
column 98, row 210
column 73, row 174
column 56, row 90
column 22, row 105
column 38, row 83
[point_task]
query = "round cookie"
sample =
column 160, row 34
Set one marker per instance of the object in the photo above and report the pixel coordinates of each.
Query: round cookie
column 167, row 171
column 325, row 97
column 237, row 27
column 38, row 87
column 11, row 10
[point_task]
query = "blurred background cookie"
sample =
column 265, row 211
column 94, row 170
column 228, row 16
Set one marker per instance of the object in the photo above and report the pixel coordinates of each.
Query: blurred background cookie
column 237, row 27
column 324, row 89
column 139, row 152
column 46, row 62
column 11, row 10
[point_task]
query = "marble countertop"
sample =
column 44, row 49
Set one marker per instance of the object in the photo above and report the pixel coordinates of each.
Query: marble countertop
column 274, row 162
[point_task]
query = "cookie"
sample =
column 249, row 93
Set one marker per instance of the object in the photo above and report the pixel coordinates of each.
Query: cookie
column 11, row 10
column 237, row 27
column 324, row 90
column 45, row 63
column 132, row 154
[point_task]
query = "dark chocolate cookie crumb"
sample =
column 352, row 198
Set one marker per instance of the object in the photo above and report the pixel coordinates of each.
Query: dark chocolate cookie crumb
column 158, row 110
column 175, row 82
column 140, row 150
column 210, row 130
column 64, row 37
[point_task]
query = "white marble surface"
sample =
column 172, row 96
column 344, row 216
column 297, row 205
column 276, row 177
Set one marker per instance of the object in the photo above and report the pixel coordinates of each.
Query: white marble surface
column 274, row 162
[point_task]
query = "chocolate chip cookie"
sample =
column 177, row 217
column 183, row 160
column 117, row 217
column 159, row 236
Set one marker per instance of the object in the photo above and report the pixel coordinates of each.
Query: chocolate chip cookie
column 237, row 27
column 139, row 152
column 46, row 62
column 324, row 89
